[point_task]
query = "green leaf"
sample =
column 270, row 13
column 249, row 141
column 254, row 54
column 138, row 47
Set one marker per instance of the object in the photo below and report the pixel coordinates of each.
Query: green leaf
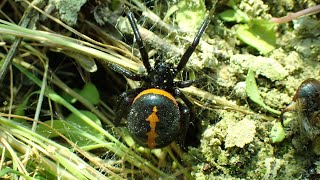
column 253, row 92
column 8, row 170
column 231, row 15
column 61, row 126
column 20, row 109
column 74, row 129
column 67, row 97
column 277, row 133
column 91, row 93
column 258, row 34
column 83, row 125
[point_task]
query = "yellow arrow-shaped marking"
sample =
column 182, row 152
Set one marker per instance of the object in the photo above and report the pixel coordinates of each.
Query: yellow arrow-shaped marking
column 153, row 119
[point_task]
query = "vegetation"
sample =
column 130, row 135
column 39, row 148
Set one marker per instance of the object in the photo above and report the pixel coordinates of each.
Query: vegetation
column 57, row 93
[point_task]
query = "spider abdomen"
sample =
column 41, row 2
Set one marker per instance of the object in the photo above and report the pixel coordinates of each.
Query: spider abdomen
column 154, row 118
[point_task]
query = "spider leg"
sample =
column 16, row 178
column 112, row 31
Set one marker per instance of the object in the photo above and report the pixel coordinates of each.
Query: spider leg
column 185, row 120
column 124, row 103
column 126, row 73
column 178, row 93
column 142, row 49
column 187, row 83
column 185, row 57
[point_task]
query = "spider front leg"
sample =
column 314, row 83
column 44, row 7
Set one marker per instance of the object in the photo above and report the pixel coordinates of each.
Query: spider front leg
column 124, row 103
column 185, row 57
column 187, row 83
column 126, row 73
column 142, row 49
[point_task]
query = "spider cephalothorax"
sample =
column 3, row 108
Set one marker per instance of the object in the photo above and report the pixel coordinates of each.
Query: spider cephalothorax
column 155, row 118
column 161, row 76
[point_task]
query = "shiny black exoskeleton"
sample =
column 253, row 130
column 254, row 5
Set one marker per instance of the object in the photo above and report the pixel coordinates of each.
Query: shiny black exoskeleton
column 306, row 102
column 155, row 118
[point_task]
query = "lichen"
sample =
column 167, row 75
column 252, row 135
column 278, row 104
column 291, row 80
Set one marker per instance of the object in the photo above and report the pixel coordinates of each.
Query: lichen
column 254, row 8
column 190, row 11
column 68, row 9
column 272, row 167
column 240, row 133
column 278, row 75
column 257, row 159
column 291, row 61
column 264, row 66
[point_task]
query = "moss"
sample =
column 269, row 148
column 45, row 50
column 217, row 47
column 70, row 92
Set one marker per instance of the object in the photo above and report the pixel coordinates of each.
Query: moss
column 316, row 145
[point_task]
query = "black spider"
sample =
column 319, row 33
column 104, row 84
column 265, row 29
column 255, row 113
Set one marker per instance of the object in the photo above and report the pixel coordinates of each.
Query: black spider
column 155, row 118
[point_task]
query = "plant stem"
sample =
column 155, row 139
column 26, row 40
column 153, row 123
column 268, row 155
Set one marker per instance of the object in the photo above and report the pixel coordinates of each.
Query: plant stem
column 290, row 17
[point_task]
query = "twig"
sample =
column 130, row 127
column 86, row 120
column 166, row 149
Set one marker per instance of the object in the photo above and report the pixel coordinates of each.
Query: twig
column 290, row 17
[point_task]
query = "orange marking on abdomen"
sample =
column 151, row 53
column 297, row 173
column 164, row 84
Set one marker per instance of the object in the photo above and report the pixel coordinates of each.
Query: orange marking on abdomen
column 152, row 135
column 159, row 92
